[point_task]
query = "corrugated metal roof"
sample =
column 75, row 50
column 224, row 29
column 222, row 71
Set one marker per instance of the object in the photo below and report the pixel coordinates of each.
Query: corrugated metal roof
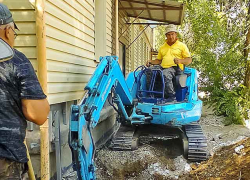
column 156, row 10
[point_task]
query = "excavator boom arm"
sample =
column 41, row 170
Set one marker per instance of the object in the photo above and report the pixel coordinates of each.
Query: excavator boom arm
column 85, row 115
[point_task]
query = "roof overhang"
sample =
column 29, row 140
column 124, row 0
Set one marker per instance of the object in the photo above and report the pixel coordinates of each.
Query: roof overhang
column 165, row 11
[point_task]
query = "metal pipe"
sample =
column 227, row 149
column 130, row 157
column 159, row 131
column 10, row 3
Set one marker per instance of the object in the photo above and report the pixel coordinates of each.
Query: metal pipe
column 58, row 146
column 130, row 24
column 138, row 36
column 42, row 76
column 159, row 24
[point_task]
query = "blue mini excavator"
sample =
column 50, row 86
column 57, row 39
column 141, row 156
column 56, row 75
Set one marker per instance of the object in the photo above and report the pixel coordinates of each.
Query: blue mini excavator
column 140, row 101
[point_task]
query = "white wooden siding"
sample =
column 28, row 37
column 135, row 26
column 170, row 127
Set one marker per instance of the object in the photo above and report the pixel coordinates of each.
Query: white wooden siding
column 109, row 26
column 70, row 50
column 24, row 15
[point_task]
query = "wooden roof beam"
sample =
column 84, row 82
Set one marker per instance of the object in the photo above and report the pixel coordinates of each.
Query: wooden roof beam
column 164, row 12
column 170, row 22
column 149, row 8
column 133, row 8
column 149, row 13
column 148, row 3
column 180, row 13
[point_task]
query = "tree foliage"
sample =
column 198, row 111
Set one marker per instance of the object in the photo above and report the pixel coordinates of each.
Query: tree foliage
column 160, row 36
column 216, row 34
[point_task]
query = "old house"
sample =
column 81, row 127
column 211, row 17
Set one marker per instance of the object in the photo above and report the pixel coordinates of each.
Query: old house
column 64, row 39
column 77, row 33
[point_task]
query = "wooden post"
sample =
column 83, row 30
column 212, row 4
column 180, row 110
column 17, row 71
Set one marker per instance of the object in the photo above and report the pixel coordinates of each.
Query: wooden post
column 42, row 76
column 116, row 28
column 31, row 170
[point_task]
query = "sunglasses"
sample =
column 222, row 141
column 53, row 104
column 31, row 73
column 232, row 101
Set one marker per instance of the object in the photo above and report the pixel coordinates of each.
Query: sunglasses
column 15, row 34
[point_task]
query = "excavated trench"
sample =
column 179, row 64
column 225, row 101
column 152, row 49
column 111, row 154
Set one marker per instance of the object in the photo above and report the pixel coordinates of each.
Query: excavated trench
column 229, row 147
column 155, row 159
column 163, row 159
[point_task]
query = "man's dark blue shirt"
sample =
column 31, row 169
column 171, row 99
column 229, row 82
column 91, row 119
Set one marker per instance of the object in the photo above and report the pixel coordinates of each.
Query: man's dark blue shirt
column 17, row 81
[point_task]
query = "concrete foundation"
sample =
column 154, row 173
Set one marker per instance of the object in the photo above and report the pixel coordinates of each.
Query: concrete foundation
column 61, row 112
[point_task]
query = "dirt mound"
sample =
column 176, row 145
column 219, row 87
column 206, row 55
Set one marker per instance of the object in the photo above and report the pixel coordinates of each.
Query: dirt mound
column 230, row 162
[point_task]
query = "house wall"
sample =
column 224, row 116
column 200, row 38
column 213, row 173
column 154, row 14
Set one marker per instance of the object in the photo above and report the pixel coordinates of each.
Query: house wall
column 72, row 35
column 24, row 15
column 70, row 43
column 110, row 26
column 71, row 49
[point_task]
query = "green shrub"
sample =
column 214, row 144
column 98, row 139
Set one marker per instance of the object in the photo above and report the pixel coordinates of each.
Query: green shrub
column 233, row 104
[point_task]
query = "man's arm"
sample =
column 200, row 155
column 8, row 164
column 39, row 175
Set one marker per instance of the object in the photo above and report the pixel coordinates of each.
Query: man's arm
column 35, row 111
column 186, row 54
column 185, row 61
column 154, row 62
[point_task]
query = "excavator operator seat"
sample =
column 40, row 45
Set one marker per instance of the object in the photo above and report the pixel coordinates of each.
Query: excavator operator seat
column 180, row 86
column 154, row 90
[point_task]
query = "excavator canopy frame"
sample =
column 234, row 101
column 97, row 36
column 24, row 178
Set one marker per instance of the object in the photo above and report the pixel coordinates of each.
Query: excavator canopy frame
column 171, row 12
column 158, row 12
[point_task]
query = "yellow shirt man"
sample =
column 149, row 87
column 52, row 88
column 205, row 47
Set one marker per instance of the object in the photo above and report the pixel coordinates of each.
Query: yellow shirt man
column 171, row 54
column 167, row 54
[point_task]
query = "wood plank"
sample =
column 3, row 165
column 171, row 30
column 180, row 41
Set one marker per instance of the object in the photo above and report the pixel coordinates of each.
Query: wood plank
column 64, row 97
column 71, row 11
column 25, row 40
column 64, row 47
column 69, row 58
column 109, row 19
column 109, row 26
column 108, row 5
column 65, row 87
column 110, row 32
column 68, row 15
column 57, row 66
column 30, row 52
column 88, row 6
column 91, row 3
column 67, row 77
column 109, row 52
column 24, row 16
column 81, row 9
column 26, row 28
column 109, row 38
column 34, row 63
column 109, row 2
column 108, row 44
column 17, row 4
column 80, row 33
column 69, row 39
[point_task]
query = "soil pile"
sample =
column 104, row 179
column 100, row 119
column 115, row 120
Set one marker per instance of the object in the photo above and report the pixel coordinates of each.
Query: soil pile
column 230, row 162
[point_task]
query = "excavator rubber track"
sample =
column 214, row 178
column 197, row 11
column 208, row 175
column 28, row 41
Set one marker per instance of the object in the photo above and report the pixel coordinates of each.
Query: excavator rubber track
column 124, row 139
column 197, row 142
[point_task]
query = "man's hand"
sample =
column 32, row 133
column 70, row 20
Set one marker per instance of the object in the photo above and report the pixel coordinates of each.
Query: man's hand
column 185, row 61
column 154, row 62
column 148, row 63
column 177, row 61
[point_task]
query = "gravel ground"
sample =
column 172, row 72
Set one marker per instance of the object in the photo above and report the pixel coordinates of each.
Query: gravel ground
column 156, row 161
column 148, row 161
column 163, row 159
column 219, row 135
